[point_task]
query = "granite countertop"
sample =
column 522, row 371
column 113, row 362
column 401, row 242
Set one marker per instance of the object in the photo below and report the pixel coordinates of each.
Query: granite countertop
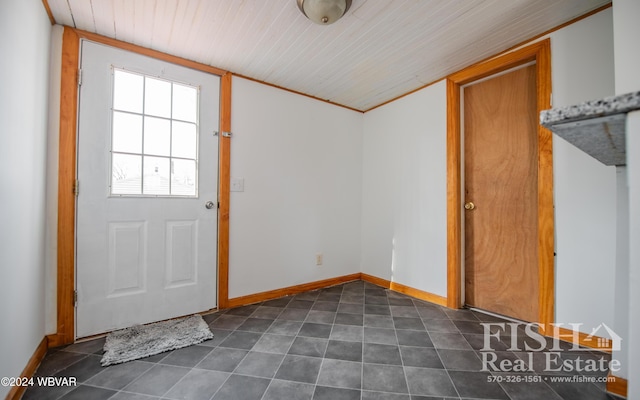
column 597, row 127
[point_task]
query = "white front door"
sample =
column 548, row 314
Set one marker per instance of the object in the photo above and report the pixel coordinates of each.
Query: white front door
column 147, row 190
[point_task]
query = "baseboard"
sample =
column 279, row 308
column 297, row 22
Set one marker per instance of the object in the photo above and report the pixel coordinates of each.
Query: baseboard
column 617, row 385
column 419, row 294
column 375, row 280
column 409, row 291
column 288, row 291
column 17, row 391
column 56, row 340
column 305, row 287
column 583, row 339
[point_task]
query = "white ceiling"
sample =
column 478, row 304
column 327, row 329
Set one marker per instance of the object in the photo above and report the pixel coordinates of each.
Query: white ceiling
column 380, row 50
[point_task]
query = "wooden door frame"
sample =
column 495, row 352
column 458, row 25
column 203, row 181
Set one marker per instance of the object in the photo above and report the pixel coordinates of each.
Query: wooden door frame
column 65, row 332
column 539, row 52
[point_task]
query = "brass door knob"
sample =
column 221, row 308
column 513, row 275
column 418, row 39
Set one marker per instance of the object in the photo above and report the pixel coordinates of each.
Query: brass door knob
column 469, row 206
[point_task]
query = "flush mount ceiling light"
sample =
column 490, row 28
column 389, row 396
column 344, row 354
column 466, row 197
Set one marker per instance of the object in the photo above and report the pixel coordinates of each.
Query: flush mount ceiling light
column 324, row 12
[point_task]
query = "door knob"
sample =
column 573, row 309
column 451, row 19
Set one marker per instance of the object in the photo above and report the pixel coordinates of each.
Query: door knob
column 469, row 206
column 209, row 204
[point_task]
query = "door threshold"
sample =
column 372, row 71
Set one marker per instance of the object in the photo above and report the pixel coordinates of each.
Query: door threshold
column 480, row 310
column 104, row 334
column 91, row 337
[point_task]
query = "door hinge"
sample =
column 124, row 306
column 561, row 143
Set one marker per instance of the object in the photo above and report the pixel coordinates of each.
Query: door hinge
column 227, row 134
column 76, row 188
column 79, row 77
column 75, row 298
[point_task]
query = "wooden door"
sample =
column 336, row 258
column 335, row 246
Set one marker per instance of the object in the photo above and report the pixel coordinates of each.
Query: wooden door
column 500, row 172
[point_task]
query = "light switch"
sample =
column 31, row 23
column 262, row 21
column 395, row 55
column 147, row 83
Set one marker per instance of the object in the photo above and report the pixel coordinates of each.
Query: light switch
column 237, row 184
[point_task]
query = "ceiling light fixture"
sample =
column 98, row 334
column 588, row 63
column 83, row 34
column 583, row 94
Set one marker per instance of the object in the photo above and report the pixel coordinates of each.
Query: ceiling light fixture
column 324, row 12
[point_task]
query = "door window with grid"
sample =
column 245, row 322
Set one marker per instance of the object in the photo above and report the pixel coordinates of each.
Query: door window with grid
column 154, row 136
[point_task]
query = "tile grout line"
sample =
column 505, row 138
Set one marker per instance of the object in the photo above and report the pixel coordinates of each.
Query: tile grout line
column 315, row 386
column 404, row 371
column 281, row 361
column 442, row 361
column 362, row 351
column 151, row 365
column 452, row 316
column 243, row 358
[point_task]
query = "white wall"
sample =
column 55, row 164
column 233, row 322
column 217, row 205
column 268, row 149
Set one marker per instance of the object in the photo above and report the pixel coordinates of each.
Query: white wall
column 621, row 292
column 627, row 58
column 633, row 334
column 404, row 198
column 404, row 185
column 53, row 146
column 582, row 60
column 584, row 189
column 301, row 160
column 24, row 48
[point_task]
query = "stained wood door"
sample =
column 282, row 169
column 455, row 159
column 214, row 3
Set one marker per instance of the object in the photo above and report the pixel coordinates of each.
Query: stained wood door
column 500, row 172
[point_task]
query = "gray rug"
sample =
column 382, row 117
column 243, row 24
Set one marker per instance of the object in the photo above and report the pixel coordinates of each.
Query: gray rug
column 146, row 340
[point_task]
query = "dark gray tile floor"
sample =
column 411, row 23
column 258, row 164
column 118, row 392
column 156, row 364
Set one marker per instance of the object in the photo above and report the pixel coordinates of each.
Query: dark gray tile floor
column 353, row 341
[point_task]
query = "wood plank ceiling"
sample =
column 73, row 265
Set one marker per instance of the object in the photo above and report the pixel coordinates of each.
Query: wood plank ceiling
column 380, row 50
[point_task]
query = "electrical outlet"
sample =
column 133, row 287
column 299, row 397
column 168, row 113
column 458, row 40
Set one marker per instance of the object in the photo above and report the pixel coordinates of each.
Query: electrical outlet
column 319, row 259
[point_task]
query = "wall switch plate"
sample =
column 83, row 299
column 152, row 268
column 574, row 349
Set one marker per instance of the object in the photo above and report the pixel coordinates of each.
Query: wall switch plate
column 319, row 259
column 237, row 184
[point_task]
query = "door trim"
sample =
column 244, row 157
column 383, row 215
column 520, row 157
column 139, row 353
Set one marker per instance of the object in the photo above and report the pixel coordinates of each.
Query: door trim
column 539, row 52
column 224, row 179
column 65, row 332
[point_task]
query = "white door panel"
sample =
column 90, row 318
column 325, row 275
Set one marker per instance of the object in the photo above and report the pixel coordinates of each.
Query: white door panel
column 141, row 258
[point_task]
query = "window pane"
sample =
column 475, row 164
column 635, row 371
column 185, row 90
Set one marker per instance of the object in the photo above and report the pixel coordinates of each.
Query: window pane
column 125, row 174
column 127, row 91
column 157, row 97
column 154, row 140
column 183, row 177
column 157, row 136
column 156, row 175
column 127, row 132
column 183, row 140
column 185, row 103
